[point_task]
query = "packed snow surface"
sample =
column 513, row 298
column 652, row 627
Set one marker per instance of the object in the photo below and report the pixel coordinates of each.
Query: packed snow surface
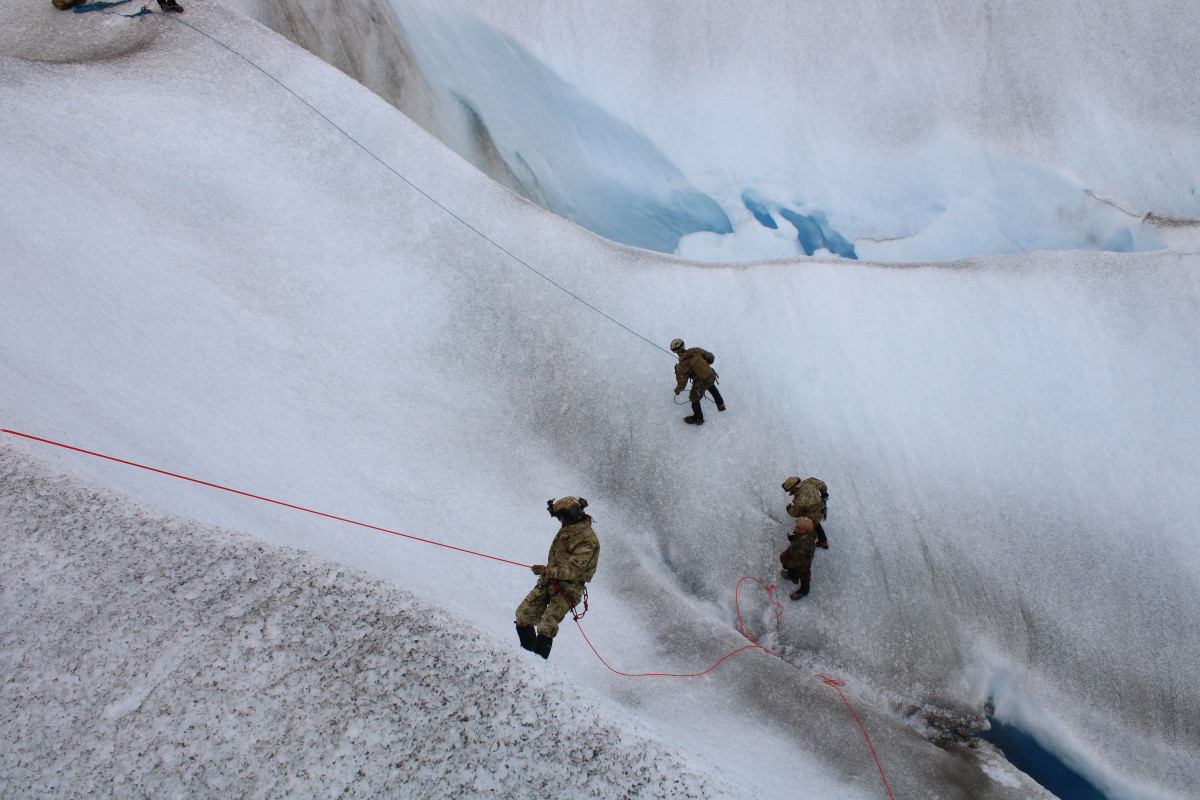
column 196, row 661
column 299, row 293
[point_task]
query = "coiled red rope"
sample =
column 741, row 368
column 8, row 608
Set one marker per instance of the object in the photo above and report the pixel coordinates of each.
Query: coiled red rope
column 754, row 645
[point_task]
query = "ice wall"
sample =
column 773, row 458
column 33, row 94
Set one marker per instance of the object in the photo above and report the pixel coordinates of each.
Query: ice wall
column 913, row 132
column 923, row 131
column 564, row 152
column 917, row 131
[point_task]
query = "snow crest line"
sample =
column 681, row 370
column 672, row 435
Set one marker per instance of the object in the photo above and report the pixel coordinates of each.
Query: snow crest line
column 264, row 499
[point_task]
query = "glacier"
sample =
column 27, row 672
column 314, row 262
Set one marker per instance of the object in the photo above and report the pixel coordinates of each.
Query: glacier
column 954, row 135
column 309, row 297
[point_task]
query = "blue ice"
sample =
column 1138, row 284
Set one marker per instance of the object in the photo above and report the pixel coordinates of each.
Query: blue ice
column 815, row 234
column 563, row 150
column 760, row 212
column 1028, row 755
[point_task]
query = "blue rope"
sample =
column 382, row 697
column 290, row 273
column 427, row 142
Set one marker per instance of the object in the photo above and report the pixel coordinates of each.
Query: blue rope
column 98, row 6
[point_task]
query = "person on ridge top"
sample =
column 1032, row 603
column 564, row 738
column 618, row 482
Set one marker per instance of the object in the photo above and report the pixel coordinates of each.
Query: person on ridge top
column 695, row 364
column 562, row 580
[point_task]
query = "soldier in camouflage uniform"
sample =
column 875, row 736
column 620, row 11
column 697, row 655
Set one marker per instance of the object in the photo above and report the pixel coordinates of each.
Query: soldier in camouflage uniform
column 808, row 506
column 560, row 587
column 695, row 363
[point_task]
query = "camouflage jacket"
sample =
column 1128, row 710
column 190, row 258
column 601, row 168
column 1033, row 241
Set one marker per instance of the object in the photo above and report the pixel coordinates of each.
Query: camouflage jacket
column 808, row 499
column 573, row 553
column 694, row 363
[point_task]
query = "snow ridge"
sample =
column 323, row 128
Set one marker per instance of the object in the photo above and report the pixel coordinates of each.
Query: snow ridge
column 149, row 656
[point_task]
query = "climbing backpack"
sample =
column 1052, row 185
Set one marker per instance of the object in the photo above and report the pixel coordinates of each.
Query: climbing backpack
column 810, row 498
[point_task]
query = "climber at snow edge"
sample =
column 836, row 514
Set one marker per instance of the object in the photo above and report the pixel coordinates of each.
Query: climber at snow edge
column 562, row 580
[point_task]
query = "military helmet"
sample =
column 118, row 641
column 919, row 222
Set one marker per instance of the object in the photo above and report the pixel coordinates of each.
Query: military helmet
column 568, row 502
column 567, row 508
column 790, row 483
column 676, row 345
column 804, row 525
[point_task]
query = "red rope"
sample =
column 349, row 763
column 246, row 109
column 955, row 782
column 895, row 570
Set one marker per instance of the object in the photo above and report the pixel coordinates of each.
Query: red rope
column 754, row 645
column 838, row 685
column 265, row 499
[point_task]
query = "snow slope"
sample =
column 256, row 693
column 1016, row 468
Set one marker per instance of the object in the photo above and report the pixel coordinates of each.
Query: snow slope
column 204, row 275
column 193, row 661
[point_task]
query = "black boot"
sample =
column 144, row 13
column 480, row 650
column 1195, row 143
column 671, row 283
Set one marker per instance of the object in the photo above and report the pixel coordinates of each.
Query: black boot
column 802, row 591
column 527, row 635
column 542, row 645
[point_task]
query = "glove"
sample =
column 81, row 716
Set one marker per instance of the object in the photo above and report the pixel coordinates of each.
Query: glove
column 538, row 569
column 550, row 507
column 677, row 391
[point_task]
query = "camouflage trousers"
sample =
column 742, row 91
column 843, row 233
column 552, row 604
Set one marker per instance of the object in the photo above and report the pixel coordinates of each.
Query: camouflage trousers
column 798, row 557
column 545, row 607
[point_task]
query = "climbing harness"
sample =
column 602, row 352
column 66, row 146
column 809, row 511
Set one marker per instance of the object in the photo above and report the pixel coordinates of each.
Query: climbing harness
column 578, row 615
